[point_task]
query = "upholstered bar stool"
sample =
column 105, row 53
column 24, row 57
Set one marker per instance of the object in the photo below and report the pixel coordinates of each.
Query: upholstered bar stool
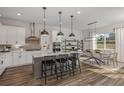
column 74, row 58
column 49, row 67
column 64, row 66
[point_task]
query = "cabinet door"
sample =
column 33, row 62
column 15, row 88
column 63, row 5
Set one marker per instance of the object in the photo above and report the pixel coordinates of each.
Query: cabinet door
column 16, row 59
column 2, row 64
column 11, row 34
column 21, row 36
column 28, row 58
column 22, row 58
column 3, row 35
column 10, row 61
column 5, row 60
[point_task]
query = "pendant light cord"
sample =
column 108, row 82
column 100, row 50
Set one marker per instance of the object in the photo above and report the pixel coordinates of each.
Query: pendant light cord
column 44, row 17
column 60, row 20
column 71, row 23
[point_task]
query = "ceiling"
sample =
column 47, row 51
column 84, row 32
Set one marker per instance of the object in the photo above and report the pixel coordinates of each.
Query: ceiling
column 104, row 15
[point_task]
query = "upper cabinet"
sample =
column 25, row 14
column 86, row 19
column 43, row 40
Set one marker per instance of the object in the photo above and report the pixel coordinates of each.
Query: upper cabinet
column 12, row 35
column 20, row 36
column 3, row 35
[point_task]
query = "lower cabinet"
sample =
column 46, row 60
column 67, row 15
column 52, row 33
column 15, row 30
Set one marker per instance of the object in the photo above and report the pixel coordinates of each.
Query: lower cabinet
column 28, row 58
column 3, row 61
column 18, row 59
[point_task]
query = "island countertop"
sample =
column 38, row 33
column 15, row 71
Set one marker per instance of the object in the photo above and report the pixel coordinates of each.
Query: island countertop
column 42, row 54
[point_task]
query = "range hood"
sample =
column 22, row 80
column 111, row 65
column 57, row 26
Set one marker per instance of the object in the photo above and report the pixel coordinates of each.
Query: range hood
column 32, row 37
column 32, row 42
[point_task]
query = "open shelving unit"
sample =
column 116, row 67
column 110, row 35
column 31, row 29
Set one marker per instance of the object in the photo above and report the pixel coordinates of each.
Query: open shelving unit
column 56, row 46
column 72, row 45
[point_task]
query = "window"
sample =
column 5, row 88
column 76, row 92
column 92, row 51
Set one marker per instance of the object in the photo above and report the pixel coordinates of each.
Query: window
column 105, row 41
column 100, row 41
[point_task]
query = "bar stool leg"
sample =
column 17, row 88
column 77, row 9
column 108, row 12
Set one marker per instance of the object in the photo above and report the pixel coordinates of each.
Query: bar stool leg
column 42, row 71
column 79, row 65
column 56, row 71
column 61, row 68
column 73, row 66
column 51, row 69
column 69, row 67
column 45, row 73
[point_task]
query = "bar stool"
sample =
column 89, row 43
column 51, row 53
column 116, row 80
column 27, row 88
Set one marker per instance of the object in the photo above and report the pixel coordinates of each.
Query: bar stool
column 74, row 58
column 49, row 61
column 64, row 65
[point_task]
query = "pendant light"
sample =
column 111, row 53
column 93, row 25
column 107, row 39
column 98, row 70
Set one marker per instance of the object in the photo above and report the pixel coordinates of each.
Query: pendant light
column 44, row 32
column 90, row 37
column 60, row 34
column 72, row 34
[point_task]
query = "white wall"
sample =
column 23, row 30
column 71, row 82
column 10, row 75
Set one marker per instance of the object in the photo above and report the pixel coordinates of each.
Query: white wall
column 104, row 29
column 39, row 28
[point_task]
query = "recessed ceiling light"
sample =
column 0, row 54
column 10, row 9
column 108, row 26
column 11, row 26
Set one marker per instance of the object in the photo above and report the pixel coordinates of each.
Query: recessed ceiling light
column 0, row 15
column 19, row 14
column 78, row 12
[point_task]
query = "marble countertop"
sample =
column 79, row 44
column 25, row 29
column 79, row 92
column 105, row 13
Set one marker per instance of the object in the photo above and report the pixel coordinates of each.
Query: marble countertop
column 42, row 54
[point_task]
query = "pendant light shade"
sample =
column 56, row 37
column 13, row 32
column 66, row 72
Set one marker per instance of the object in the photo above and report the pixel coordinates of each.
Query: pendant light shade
column 60, row 34
column 72, row 34
column 44, row 32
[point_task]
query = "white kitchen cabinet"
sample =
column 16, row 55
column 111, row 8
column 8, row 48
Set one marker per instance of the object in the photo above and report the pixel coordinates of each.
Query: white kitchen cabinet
column 21, row 36
column 22, row 58
column 3, row 35
column 3, row 61
column 29, row 57
column 16, row 59
column 12, row 35
column 15, row 35
column 19, row 58
column 10, row 61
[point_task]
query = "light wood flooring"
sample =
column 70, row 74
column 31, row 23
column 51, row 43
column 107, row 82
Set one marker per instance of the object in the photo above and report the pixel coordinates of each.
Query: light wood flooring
column 90, row 76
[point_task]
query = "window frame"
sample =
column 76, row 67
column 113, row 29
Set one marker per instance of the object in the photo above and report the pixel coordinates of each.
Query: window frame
column 104, row 42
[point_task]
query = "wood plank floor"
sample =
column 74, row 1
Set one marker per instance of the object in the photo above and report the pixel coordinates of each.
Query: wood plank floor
column 22, row 76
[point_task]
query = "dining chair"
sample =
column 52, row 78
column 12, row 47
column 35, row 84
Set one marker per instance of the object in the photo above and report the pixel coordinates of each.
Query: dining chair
column 113, row 59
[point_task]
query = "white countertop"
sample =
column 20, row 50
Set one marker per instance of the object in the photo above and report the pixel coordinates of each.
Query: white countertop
column 37, row 55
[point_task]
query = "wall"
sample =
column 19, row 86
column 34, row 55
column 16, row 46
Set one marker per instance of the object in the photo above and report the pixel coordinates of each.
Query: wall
column 39, row 28
column 109, row 28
